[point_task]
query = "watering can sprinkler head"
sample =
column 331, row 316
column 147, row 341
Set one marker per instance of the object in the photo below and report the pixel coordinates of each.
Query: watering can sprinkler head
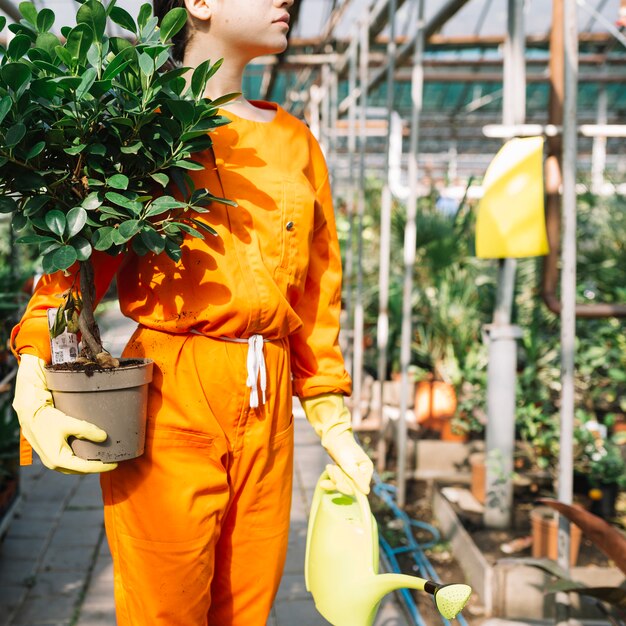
column 449, row 599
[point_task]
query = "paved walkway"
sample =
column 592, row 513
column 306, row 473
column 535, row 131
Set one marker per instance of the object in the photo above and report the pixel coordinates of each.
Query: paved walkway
column 55, row 566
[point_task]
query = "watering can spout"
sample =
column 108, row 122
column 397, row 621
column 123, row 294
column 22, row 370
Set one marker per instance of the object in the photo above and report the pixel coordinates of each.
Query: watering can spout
column 382, row 584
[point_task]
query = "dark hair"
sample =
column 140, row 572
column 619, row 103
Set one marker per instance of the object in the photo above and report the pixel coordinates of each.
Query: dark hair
column 181, row 39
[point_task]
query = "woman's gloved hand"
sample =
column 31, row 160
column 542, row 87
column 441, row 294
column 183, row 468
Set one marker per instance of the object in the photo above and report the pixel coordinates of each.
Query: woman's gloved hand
column 46, row 428
column 330, row 419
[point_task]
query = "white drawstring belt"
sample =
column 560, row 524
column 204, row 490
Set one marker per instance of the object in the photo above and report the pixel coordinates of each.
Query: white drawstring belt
column 257, row 372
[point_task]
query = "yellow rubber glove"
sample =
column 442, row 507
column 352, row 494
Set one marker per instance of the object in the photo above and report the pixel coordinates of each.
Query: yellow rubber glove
column 331, row 421
column 46, row 428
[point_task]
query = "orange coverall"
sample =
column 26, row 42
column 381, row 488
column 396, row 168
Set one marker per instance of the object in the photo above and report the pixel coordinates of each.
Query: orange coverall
column 198, row 525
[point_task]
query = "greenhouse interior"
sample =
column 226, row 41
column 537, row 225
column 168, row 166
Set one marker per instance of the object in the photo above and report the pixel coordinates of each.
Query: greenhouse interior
column 476, row 157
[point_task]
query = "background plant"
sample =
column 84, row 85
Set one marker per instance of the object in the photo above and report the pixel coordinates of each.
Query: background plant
column 93, row 130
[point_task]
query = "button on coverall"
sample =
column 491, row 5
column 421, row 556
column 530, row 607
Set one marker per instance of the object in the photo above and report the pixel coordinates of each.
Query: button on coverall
column 198, row 525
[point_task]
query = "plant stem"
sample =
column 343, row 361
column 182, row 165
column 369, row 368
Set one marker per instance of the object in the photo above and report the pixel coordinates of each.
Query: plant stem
column 86, row 322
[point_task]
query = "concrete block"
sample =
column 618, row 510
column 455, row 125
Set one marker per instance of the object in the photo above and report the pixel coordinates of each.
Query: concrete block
column 50, row 609
column 11, row 596
column 298, row 612
column 62, row 557
column 26, row 528
column 70, row 532
column 17, row 572
column 96, row 617
column 292, row 587
column 20, row 548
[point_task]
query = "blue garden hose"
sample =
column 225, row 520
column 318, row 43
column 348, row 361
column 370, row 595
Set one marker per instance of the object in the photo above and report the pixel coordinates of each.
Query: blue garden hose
column 389, row 554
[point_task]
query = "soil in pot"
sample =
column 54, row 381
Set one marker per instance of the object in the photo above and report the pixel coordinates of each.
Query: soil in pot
column 116, row 400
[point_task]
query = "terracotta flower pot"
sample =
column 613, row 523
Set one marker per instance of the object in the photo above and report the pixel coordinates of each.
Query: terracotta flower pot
column 478, row 484
column 434, row 400
column 544, row 524
column 116, row 400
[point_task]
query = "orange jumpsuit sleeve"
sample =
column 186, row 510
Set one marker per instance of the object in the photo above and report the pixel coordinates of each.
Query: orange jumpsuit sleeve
column 316, row 360
column 30, row 335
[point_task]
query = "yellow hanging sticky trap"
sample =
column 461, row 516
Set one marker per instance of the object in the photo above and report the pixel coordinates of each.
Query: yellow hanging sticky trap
column 511, row 218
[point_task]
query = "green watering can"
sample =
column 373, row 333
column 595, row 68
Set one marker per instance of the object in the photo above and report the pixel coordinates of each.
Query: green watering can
column 341, row 563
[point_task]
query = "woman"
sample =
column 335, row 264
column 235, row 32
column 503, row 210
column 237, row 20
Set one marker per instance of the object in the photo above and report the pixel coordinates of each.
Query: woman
column 198, row 525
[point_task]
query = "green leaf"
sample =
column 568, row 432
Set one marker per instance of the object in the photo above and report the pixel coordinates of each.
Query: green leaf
column 103, row 238
column 35, row 150
column 64, row 55
column 96, row 148
column 204, row 226
column 31, row 239
column 118, row 181
column 153, row 241
column 124, row 19
column 139, row 246
column 46, row 42
column 168, row 202
column 45, row 20
column 5, row 107
column 14, row 135
column 118, row 63
column 188, row 229
column 146, row 64
column 49, row 68
column 3, row 22
column 218, row 102
column 79, row 41
column 76, row 219
column 15, row 75
column 19, row 221
column 144, row 15
column 173, row 21
column 129, row 229
column 188, row 165
column 182, row 110
column 18, row 47
column 7, row 204
column 55, row 221
column 44, row 88
column 88, row 79
column 75, row 149
column 64, row 257
column 82, row 247
column 117, row 198
column 162, row 179
column 29, row 11
column 172, row 249
column 107, row 212
column 199, row 78
column 34, row 204
column 93, row 14
column 132, row 149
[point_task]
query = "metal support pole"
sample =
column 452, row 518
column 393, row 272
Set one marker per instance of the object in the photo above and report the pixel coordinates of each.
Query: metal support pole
column 410, row 237
column 359, row 317
column 500, row 437
column 568, row 291
column 349, row 268
column 598, row 153
column 325, row 109
column 382, row 333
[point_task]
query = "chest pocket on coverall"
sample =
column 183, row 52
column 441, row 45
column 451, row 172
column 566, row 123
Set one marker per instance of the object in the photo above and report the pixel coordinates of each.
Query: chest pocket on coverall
column 295, row 230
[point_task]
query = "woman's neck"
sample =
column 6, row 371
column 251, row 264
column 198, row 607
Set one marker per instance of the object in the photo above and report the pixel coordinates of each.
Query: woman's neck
column 228, row 79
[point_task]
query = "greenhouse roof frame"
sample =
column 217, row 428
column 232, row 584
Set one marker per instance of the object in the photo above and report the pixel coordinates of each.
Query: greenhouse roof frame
column 463, row 61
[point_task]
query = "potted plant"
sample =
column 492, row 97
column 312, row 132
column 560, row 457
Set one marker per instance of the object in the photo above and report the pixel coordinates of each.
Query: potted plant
column 74, row 116
column 600, row 462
